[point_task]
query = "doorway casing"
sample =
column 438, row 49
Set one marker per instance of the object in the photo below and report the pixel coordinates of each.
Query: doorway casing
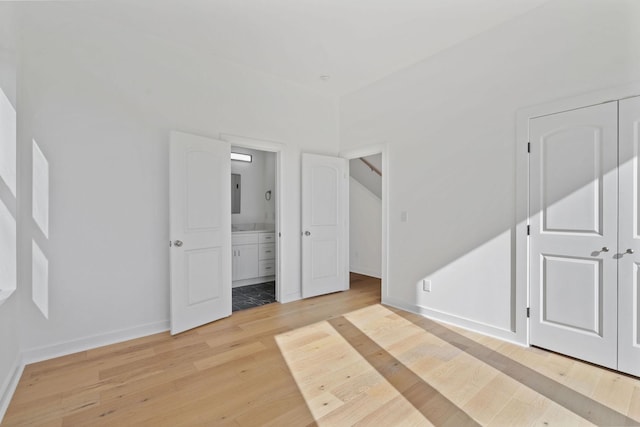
column 370, row 150
column 523, row 116
column 278, row 149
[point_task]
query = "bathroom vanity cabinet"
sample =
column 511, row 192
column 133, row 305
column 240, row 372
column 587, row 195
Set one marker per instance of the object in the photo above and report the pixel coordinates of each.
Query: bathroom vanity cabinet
column 254, row 256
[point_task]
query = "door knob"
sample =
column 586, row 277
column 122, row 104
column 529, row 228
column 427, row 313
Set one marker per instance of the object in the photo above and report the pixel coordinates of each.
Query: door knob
column 307, row 233
column 178, row 243
column 604, row 249
column 629, row 251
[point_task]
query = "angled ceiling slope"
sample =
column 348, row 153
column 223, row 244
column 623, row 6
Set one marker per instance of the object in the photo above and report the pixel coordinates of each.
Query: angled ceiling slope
column 355, row 42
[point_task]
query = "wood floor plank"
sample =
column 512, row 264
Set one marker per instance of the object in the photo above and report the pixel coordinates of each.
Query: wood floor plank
column 339, row 359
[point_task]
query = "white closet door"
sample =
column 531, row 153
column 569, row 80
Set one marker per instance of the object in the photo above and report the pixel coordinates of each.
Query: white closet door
column 629, row 248
column 574, row 228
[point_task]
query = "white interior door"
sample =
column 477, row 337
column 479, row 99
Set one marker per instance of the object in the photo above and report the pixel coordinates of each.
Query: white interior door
column 573, row 211
column 629, row 246
column 200, row 230
column 325, row 225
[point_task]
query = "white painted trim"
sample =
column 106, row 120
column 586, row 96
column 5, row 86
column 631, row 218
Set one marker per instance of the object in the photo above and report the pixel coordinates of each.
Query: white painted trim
column 253, row 143
column 364, row 271
column 39, row 354
column 9, row 387
column 369, row 150
column 453, row 320
column 291, row 298
column 522, row 184
column 252, row 281
column 5, row 294
column 65, row 348
column 280, row 149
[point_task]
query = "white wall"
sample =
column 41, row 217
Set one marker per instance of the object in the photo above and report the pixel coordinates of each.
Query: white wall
column 365, row 176
column 449, row 122
column 269, row 184
column 100, row 99
column 256, row 178
column 9, row 310
column 365, row 230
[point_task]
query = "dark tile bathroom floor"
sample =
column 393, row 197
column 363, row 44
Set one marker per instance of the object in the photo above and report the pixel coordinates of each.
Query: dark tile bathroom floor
column 253, row 295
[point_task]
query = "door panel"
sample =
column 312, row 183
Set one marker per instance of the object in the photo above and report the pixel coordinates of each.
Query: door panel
column 200, row 220
column 202, row 266
column 577, row 280
column 324, row 255
column 325, row 200
column 572, row 189
column 574, row 227
column 325, row 215
column 629, row 284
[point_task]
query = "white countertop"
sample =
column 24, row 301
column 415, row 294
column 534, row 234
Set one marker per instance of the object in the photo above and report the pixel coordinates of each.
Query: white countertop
column 253, row 228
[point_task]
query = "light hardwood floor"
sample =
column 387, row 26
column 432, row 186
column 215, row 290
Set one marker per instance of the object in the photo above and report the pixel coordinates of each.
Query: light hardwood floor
column 340, row 359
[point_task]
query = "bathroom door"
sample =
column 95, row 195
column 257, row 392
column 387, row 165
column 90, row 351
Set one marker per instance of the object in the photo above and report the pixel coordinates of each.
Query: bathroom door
column 325, row 225
column 200, row 230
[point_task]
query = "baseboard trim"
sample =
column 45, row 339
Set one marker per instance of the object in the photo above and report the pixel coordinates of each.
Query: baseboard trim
column 365, row 271
column 290, row 298
column 453, row 320
column 9, row 386
column 65, row 348
column 253, row 281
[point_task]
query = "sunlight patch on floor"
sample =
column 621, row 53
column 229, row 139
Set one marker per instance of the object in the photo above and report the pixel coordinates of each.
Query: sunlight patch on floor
column 338, row 384
column 376, row 366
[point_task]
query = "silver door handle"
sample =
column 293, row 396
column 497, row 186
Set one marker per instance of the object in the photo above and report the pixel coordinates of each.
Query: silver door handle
column 307, row 233
column 177, row 243
column 629, row 251
column 604, row 249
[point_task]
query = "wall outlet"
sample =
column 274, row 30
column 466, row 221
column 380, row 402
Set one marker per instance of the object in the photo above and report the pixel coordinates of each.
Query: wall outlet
column 426, row 285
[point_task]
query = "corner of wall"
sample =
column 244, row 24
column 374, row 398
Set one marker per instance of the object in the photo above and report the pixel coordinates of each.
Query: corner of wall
column 64, row 348
column 9, row 387
column 517, row 338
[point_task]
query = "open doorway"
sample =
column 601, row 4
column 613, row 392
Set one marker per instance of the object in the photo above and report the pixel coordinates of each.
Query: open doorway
column 367, row 214
column 253, row 227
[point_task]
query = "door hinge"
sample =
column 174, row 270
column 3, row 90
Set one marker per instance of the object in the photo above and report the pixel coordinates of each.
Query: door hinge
column 528, row 312
column 528, row 147
column 528, row 230
column 170, row 243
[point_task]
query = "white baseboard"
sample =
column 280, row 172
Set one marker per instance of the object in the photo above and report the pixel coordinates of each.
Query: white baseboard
column 365, row 271
column 69, row 347
column 39, row 354
column 461, row 322
column 254, row 281
column 290, row 298
column 9, row 386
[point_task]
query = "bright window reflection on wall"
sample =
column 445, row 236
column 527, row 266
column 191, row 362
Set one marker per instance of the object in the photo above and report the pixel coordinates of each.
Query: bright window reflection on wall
column 40, row 189
column 40, row 279
column 7, row 251
column 40, row 213
column 8, row 248
column 7, row 143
